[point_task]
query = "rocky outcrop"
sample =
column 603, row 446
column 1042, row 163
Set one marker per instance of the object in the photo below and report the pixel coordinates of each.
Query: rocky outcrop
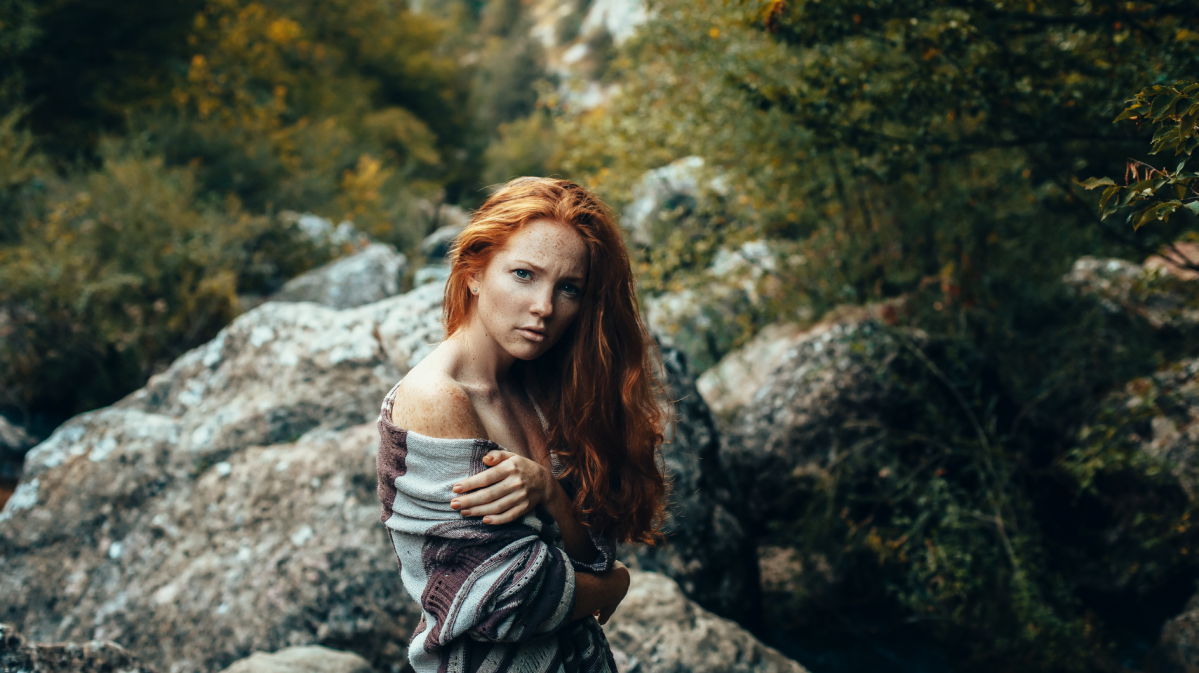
column 662, row 189
column 1178, row 649
column 367, row 276
column 229, row 506
column 707, row 550
column 824, row 394
column 1156, row 292
column 98, row 656
column 732, row 383
column 306, row 659
column 657, row 630
column 14, row 442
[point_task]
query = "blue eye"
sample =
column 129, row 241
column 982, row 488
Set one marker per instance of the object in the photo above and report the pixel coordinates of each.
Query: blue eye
column 523, row 274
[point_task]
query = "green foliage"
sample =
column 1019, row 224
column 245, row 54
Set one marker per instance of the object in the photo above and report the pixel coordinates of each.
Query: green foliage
column 120, row 270
column 16, row 33
column 1156, row 193
column 156, row 142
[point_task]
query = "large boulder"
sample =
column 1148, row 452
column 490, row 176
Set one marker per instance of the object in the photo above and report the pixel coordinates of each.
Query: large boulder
column 825, row 391
column 303, row 659
column 1162, row 295
column 367, row 276
column 707, row 549
column 18, row 655
column 229, row 505
column 657, row 630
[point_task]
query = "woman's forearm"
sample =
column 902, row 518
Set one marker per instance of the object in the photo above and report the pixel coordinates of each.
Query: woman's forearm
column 575, row 538
column 594, row 592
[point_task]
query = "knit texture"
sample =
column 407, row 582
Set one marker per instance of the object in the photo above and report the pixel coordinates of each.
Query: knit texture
column 494, row 598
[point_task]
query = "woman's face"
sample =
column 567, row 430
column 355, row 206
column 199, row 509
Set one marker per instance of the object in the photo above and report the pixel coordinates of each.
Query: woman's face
column 531, row 290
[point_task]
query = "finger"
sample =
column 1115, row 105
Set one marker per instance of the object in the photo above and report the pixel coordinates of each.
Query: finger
column 488, row 476
column 498, row 505
column 497, row 456
column 507, row 517
column 487, row 495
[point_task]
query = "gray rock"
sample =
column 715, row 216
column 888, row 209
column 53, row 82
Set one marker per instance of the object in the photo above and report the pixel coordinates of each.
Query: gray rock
column 732, row 383
column 820, row 398
column 1152, row 292
column 306, row 659
column 1178, row 649
column 98, row 656
column 437, row 245
column 229, row 505
column 323, row 231
column 707, row 550
column 365, row 277
column 661, row 188
column 14, row 442
column 657, row 630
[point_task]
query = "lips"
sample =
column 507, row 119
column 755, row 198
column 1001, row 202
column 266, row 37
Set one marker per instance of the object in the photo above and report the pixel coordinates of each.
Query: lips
column 532, row 333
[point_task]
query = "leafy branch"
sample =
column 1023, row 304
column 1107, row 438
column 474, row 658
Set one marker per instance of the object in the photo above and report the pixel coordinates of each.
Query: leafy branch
column 1156, row 193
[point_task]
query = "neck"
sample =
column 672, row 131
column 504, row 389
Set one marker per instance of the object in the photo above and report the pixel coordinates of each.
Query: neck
column 482, row 360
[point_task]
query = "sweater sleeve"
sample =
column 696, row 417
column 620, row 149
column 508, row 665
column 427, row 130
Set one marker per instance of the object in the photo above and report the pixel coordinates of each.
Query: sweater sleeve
column 505, row 583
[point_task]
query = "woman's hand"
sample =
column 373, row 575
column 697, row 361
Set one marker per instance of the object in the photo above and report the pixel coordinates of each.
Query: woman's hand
column 598, row 595
column 510, row 488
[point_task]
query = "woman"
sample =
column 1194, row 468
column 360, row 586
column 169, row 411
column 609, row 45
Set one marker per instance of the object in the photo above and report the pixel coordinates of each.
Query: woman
column 515, row 455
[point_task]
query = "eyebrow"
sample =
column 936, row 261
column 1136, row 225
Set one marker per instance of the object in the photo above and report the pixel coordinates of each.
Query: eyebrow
column 540, row 269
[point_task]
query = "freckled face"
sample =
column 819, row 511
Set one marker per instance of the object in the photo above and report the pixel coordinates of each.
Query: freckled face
column 531, row 291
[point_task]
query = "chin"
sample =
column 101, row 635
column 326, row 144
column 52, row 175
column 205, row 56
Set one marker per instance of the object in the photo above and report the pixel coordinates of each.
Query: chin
column 526, row 351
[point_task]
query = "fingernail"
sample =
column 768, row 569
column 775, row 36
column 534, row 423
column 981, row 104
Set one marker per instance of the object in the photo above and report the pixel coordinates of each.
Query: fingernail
column 457, row 488
column 455, row 504
column 486, row 519
column 466, row 512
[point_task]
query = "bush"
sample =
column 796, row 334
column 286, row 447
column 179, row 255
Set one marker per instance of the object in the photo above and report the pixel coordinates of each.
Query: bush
column 119, row 270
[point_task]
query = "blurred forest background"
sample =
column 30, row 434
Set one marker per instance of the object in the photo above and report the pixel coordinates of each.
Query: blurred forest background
column 941, row 162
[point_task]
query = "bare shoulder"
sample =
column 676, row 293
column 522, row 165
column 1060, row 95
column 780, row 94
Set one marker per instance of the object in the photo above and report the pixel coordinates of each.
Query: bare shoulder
column 433, row 404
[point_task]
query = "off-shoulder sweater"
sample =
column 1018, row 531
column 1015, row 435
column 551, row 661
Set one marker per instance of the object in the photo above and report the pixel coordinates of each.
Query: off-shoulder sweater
column 493, row 598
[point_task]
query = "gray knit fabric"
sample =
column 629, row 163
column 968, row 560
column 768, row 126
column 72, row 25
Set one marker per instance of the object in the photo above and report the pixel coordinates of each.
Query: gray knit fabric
column 494, row 598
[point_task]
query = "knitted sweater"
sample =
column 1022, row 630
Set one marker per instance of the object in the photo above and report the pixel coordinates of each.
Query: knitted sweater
column 494, row 598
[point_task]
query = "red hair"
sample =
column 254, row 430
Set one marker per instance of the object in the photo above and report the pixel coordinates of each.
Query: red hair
column 608, row 413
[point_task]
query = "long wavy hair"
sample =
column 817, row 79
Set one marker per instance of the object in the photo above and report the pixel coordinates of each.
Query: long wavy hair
column 608, row 410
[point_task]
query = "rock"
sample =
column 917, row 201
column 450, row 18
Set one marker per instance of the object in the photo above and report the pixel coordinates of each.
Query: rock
column 229, row 506
column 323, row 230
column 731, row 384
column 1160, row 415
column 308, row 659
column 98, row 656
column 825, row 389
column 1178, row 649
column 364, row 277
column 1187, row 249
column 708, row 318
column 657, row 630
column 620, row 18
column 436, row 246
column 1151, row 292
column 14, row 442
column 661, row 189
column 707, row 550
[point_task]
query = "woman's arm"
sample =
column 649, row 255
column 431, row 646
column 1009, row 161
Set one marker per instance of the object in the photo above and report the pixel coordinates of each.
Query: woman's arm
column 511, row 487
column 599, row 594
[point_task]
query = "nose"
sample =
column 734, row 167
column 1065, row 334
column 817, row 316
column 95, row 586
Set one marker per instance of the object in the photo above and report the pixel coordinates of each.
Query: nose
column 543, row 303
